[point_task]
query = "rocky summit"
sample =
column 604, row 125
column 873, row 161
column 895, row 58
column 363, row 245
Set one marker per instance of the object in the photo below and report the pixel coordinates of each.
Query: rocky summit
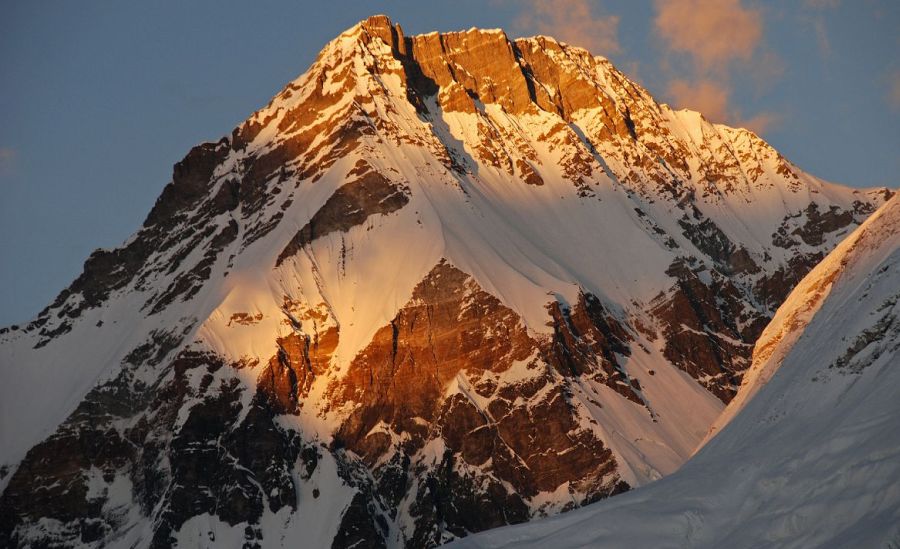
column 439, row 284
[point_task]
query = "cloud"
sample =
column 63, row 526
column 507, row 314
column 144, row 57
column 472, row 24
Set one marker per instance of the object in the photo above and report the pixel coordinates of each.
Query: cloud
column 821, row 4
column 713, row 99
column 716, row 37
column 822, row 37
column 764, row 70
column 571, row 21
column 712, row 32
column 713, row 37
column 707, row 96
column 814, row 15
column 761, row 122
column 893, row 94
column 7, row 159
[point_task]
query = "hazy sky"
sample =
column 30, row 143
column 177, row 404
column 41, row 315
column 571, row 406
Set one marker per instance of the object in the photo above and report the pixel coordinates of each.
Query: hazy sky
column 99, row 100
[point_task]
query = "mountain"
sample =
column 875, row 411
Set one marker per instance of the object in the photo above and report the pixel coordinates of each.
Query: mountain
column 813, row 457
column 439, row 284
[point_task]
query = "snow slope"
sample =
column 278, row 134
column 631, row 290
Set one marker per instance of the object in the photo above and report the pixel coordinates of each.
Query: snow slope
column 809, row 455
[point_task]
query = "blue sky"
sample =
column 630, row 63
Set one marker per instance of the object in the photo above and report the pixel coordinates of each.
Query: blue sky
column 99, row 100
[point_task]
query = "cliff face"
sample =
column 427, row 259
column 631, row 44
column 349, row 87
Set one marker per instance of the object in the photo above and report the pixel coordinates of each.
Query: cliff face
column 441, row 283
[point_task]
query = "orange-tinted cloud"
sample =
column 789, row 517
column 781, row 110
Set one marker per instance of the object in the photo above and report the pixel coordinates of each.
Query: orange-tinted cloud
column 707, row 96
column 893, row 95
column 7, row 158
column 822, row 4
column 571, row 21
column 822, row 37
column 761, row 122
column 765, row 69
column 815, row 9
column 712, row 98
column 712, row 32
column 717, row 36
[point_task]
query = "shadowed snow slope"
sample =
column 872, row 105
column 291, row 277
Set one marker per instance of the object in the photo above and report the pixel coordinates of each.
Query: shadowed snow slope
column 813, row 457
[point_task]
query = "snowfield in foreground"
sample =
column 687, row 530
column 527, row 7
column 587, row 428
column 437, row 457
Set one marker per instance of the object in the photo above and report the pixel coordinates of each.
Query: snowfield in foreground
column 813, row 460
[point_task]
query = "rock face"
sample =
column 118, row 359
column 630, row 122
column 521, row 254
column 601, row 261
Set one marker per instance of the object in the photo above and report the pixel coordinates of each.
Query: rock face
column 465, row 416
column 439, row 284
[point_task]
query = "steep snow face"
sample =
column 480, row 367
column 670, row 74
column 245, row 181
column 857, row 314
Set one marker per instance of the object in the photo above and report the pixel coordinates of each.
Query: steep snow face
column 422, row 248
column 855, row 256
column 809, row 455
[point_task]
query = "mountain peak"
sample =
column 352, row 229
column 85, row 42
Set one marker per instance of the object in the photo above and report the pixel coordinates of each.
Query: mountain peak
column 569, row 90
column 372, row 291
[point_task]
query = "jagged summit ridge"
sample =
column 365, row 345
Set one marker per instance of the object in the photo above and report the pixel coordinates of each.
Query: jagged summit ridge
column 383, row 281
column 540, row 74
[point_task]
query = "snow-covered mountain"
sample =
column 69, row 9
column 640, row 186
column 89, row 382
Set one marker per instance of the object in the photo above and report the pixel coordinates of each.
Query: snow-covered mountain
column 440, row 284
column 813, row 457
